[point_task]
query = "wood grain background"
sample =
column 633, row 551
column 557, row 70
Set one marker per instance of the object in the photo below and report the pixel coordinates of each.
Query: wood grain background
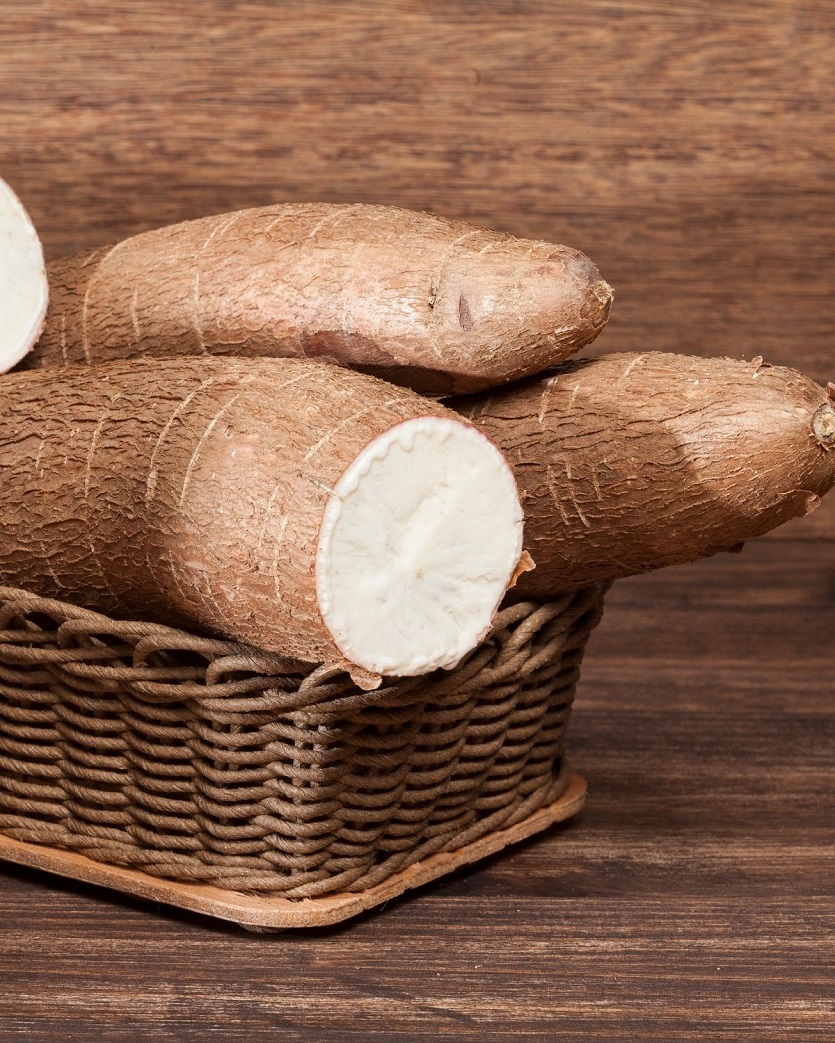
column 689, row 149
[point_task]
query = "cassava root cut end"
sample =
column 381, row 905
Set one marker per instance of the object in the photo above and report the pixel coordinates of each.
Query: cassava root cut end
column 304, row 509
column 23, row 284
column 437, row 305
column 419, row 542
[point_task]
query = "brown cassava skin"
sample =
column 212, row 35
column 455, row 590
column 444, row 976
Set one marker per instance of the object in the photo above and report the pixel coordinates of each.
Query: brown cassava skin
column 631, row 462
column 186, row 491
column 437, row 305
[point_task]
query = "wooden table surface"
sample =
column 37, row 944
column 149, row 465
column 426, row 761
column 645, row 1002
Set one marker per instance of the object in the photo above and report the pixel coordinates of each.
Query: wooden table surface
column 689, row 150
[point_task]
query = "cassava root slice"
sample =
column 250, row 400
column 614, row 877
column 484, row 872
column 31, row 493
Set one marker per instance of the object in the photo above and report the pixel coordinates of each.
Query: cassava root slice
column 437, row 305
column 23, row 283
column 631, row 462
column 315, row 512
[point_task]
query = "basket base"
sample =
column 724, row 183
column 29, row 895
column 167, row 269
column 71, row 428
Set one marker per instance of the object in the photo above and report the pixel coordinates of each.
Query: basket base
column 258, row 912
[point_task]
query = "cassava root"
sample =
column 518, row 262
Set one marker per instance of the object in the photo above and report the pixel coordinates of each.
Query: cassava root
column 311, row 511
column 437, row 305
column 23, row 282
column 631, row 462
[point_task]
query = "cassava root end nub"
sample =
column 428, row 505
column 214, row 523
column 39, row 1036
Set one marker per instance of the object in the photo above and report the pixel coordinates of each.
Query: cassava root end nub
column 823, row 422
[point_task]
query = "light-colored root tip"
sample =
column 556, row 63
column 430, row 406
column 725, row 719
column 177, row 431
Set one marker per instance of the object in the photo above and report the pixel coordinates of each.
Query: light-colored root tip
column 23, row 283
column 419, row 542
column 604, row 293
column 823, row 423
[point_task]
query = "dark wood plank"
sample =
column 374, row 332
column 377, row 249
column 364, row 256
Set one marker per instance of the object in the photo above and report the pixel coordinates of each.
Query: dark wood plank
column 536, row 968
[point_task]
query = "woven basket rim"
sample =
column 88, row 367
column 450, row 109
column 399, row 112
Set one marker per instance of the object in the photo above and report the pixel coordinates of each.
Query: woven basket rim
column 141, row 640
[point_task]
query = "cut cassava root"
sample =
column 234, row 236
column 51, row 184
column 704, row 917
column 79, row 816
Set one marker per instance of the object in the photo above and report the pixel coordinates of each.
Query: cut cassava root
column 23, row 282
column 311, row 511
column 437, row 305
column 632, row 462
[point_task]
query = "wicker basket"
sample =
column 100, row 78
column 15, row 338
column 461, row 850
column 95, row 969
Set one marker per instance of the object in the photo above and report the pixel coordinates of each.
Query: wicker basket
column 229, row 780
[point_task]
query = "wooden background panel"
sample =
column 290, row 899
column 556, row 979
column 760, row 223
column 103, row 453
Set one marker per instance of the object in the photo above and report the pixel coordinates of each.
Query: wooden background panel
column 687, row 148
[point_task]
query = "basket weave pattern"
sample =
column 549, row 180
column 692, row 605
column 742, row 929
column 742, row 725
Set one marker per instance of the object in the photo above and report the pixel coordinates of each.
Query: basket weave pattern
column 208, row 761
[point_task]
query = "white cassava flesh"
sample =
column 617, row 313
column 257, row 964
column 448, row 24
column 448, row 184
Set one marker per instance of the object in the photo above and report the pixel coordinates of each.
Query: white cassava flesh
column 23, row 284
column 417, row 547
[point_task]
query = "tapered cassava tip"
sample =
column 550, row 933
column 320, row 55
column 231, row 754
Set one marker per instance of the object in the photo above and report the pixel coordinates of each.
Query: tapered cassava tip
column 545, row 300
column 23, row 283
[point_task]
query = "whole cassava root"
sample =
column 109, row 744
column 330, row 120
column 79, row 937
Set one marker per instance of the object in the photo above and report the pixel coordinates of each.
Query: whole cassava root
column 311, row 511
column 631, row 462
column 437, row 305
column 23, row 284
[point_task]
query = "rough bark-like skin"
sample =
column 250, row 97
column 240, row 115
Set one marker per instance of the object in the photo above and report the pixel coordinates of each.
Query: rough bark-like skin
column 437, row 305
column 631, row 462
column 185, row 491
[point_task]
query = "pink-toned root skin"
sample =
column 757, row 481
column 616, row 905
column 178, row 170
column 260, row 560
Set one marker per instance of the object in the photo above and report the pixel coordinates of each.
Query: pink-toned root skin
column 631, row 462
column 187, row 491
column 424, row 302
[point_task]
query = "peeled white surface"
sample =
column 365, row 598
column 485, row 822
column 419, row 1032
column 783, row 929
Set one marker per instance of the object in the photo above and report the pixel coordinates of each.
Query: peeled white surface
column 418, row 544
column 23, row 285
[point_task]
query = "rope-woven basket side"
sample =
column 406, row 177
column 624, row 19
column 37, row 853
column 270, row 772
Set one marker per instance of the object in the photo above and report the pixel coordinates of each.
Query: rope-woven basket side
column 205, row 760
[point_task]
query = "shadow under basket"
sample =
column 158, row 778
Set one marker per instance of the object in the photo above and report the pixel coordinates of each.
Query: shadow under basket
column 230, row 781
